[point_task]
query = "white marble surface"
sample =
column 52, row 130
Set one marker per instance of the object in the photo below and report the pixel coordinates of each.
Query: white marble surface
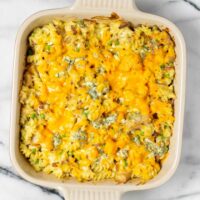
column 185, row 184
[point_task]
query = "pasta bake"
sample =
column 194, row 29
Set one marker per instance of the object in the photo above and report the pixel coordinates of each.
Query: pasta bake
column 97, row 99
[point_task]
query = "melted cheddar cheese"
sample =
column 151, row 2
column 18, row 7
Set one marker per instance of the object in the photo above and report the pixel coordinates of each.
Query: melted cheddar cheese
column 97, row 99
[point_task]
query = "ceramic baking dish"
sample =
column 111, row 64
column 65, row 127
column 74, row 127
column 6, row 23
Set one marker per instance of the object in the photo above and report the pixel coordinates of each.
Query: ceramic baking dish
column 73, row 190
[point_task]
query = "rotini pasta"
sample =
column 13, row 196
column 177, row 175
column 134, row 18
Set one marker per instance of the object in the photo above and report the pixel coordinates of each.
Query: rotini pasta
column 97, row 99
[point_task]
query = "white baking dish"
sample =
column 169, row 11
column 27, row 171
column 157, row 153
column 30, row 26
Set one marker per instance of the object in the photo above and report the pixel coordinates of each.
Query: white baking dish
column 73, row 190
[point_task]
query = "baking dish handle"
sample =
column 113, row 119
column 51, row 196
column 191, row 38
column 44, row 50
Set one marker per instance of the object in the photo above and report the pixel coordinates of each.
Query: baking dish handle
column 89, row 194
column 128, row 5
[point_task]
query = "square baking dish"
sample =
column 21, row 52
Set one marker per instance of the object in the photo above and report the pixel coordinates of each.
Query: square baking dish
column 71, row 189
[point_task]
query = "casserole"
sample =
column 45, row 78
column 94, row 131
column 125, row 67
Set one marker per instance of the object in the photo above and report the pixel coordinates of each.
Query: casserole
column 102, row 190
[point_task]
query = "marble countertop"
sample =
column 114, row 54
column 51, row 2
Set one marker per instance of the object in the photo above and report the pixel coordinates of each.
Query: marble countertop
column 185, row 184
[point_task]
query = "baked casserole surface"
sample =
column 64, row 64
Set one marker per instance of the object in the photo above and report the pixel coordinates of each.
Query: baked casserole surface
column 97, row 99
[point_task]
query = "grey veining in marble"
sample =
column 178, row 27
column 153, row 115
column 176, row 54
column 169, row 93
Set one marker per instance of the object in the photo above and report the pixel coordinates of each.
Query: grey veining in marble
column 185, row 184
